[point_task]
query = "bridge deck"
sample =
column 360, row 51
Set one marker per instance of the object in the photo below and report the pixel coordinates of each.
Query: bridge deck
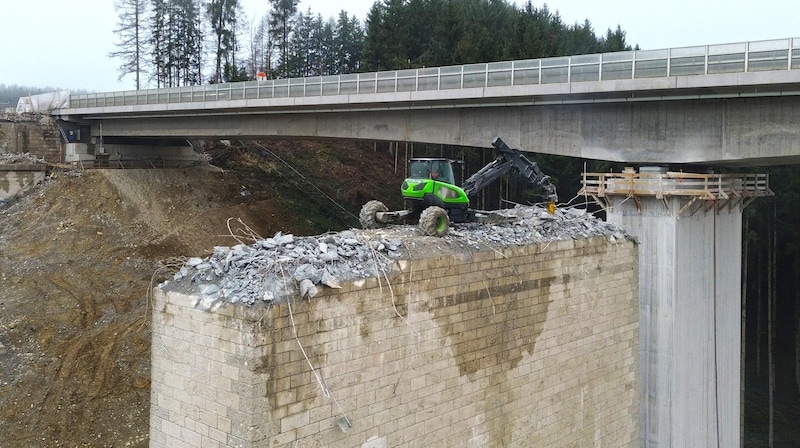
column 731, row 58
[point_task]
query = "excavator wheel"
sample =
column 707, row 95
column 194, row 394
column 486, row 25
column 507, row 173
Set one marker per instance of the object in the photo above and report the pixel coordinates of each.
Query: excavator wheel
column 367, row 215
column 434, row 221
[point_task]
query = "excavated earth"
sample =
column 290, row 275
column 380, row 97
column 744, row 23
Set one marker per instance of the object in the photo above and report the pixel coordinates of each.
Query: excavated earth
column 79, row 254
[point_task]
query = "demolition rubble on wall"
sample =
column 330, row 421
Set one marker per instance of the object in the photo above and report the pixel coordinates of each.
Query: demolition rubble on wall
column 273, row 269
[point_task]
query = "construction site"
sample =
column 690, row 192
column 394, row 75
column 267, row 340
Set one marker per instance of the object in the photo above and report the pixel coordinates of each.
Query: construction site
column 235, row 301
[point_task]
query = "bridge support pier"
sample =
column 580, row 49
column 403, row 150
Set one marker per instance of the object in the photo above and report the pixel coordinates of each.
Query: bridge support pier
column 690, row 322
column 690, row 231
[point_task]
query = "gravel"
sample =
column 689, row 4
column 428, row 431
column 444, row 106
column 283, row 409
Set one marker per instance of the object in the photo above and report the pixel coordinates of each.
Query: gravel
column 274, row 269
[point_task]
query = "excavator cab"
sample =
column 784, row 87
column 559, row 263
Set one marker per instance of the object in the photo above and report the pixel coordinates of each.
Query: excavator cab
column 435, row 169
column 431, row 183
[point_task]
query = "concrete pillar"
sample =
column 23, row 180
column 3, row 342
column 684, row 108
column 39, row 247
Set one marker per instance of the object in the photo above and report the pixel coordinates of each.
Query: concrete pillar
column 690, row 326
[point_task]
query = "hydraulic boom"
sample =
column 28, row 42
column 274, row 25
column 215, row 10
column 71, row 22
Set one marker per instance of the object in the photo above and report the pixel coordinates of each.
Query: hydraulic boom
column 507, row 160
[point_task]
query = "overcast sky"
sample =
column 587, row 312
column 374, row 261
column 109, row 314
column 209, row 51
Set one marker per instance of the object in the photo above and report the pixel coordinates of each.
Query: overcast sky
column 65, row 43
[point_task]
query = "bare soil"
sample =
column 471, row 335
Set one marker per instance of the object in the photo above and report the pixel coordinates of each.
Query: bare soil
column 80, row 254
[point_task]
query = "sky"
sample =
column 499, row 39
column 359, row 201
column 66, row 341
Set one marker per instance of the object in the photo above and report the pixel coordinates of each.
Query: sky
column 53, row 43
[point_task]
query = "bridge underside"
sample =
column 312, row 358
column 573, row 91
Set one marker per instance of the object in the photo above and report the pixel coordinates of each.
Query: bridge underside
column 731, row 131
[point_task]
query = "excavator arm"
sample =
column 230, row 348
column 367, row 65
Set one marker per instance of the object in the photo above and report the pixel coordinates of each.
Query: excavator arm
column 507, row 160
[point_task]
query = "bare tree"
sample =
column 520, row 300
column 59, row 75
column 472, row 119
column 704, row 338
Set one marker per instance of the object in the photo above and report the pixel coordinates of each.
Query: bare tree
column 261, row 48
column 130, row 32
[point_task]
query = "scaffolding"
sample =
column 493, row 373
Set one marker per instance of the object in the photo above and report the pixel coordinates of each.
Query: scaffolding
column 695, row 191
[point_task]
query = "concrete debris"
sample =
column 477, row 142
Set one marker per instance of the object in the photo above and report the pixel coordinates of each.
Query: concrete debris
column 274, row 269
column 20, row 159
column 532, row 225
column 11, row 116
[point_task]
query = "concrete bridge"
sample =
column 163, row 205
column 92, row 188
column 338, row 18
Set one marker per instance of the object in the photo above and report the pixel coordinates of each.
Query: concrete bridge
column 728, row 104
column 724, row 104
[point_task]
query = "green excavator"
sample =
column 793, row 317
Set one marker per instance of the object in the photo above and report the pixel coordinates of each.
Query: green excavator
column 431, row 195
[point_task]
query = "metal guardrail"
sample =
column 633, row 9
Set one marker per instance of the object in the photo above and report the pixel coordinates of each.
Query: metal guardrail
column 720, row 190
column 779, row 54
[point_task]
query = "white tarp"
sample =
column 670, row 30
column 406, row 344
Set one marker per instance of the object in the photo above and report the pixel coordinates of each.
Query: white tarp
column 43, row 103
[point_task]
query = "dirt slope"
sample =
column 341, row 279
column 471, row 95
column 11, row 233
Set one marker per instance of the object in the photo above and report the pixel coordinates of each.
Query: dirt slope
column 78, row 258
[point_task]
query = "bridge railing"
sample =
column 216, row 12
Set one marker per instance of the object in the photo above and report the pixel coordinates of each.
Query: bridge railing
column 780, row 54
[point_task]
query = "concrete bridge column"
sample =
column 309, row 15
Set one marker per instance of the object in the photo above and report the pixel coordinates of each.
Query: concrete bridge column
column 690, row 230
column 690, row 333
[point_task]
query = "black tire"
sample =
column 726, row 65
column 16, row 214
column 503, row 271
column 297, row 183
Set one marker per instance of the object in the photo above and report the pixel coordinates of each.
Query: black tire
column 434, row 221
column 367, row 215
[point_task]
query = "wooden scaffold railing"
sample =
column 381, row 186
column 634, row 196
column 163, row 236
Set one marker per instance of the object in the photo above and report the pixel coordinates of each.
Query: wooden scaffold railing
column 717, row 190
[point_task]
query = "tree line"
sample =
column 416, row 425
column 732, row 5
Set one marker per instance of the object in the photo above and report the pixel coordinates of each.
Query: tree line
column 168, row 43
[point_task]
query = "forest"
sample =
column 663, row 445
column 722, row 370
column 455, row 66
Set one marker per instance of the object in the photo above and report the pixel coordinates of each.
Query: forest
column 165, row 43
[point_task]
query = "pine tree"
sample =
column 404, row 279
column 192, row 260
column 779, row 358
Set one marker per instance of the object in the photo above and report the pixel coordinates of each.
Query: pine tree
column 318, row 46
column 348, row 43
column 281, row 24
column 187, row 48
column 614, row 41
column 223, row 16
column 327, row 60
column 580, row 39
column 374, row 51
column 300, row 54
column 176, row 42
column 131, row 34
column 387, row 29
column 159, row 34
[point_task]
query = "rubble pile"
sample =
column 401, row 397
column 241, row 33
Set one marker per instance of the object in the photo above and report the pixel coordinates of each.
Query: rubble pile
column 20, row 159
column 274, row 269
column 532, row 225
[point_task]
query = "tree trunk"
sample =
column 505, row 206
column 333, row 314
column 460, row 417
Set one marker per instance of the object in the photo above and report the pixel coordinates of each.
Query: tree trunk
column 396, row 152
column 406, row 166
column 759, row 311
column 771, row 328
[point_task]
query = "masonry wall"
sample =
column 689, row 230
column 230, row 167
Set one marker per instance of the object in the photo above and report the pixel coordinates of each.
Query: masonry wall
column 39, row 137
column 523, row 347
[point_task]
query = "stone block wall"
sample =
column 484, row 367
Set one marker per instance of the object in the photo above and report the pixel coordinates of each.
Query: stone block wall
column 36, row 135
column 519, row 347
